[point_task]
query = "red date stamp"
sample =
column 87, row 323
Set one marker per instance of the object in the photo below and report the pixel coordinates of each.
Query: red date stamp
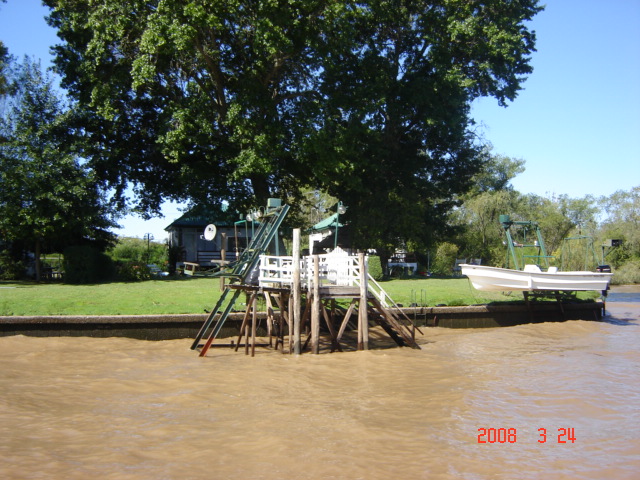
column 510, row 435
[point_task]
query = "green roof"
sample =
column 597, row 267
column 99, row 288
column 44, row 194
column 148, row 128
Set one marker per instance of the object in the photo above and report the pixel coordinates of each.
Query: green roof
column 329, row 222
column 201, row 216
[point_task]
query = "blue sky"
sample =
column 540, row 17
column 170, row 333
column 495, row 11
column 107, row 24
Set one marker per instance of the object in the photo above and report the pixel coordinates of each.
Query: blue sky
column 576, row 123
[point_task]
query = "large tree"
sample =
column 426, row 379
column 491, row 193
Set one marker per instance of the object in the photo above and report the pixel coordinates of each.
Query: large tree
column 622, row 221
column 238, row 100
column 4, row 66
column 480, row 234
column 47, row 198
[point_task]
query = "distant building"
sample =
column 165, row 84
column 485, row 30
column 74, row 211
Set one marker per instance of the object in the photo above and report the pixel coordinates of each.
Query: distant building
column 232, row 235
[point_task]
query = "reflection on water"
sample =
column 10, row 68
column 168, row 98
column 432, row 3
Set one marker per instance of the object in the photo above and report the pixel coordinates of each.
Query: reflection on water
column 127, row 409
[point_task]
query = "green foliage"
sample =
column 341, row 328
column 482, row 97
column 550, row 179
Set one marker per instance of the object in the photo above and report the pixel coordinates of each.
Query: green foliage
column 133, row 272
column 375, row 267
column 127, row 249
column 445, row 259
column 628, row 273
column 4, row 67
column 577, row 253
column 622, row 222
column 86, row 264
column 47, row 197
column 132, row 255
column 496, row 174
column 241, row 100
column 481, row 234
column 10, row 267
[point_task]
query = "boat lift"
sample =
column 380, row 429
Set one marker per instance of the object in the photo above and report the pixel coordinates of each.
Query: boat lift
column 538, row 244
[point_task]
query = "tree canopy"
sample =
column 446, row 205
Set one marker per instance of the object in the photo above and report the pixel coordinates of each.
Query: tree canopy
column 4, row 63
column 240, row 100
column 47, row 198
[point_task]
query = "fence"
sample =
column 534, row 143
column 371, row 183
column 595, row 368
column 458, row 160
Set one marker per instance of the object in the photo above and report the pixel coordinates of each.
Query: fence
column 334, row 269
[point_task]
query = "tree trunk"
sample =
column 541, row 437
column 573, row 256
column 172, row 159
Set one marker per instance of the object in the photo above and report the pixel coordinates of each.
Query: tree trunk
column 260, row 187
column 37, row 261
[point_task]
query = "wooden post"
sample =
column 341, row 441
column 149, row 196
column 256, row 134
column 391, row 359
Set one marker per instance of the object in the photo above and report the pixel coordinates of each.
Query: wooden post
column 270, row 319
column 296, row 291
column 363, row 319
column 247, row 337
column 223, row 255
column 245, row 322
column 254, row 321
column 315, row 309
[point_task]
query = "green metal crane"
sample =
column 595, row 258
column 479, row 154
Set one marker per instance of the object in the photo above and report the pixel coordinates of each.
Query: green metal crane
column 537, row 246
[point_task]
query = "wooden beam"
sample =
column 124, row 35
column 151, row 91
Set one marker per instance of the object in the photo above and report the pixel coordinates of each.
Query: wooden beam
column 335, row 345
column 403, row 333
column 346, row 318
column 282, row 299
column 245, row 321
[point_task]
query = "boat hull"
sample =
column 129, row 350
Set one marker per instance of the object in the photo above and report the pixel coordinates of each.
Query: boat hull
column 504, row 279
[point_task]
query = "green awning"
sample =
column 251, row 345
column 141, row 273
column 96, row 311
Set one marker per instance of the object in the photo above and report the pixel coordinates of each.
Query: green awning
column 327, row 223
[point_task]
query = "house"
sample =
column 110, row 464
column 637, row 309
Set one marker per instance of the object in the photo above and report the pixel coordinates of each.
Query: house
column 232, row 234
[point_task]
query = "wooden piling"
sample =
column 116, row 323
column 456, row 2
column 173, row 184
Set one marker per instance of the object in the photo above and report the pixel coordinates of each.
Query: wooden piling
column 254, row 321
column 315, row 308
column 296, row 291
column 363, row 318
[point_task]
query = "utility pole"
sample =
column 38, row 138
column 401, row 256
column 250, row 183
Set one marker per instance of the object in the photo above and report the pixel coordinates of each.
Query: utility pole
column 148, row 237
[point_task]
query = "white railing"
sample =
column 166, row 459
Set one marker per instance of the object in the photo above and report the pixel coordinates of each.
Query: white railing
column 334, row 269
column 372, row 286
column 275, row 270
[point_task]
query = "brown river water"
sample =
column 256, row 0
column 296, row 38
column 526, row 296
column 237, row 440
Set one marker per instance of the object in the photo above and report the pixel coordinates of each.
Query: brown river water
column 118, row 408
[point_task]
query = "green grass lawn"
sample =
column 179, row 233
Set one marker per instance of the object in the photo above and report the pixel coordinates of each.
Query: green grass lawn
column 191, row 295
column 194, row 295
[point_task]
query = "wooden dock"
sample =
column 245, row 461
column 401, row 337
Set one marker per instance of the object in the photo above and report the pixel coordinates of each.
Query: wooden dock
column 303, row 315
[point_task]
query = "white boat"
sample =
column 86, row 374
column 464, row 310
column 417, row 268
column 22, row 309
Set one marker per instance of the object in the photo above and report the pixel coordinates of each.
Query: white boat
column 533, row 278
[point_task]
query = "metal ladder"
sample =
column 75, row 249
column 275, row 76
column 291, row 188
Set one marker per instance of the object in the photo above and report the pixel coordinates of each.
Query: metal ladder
column 238, row 273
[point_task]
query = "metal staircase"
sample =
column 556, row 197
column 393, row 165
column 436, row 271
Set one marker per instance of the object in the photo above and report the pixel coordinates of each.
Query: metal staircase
column 239, row 273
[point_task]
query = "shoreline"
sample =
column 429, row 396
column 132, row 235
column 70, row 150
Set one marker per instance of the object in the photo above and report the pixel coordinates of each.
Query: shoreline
column 165, row 327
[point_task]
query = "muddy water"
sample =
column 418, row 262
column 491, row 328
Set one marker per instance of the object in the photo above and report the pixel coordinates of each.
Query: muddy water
column 128, row 409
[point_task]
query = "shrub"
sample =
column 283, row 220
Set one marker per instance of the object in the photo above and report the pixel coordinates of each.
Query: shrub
column 85, row 264
column 375, row 267
column 129, row 249
column 445, row 259
column 133, row 272
column 627, row 273
column 10, row 268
